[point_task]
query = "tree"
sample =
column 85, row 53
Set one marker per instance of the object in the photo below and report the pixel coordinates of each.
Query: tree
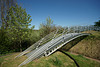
column 46, row 28
column 4, row 7
column 18, row 24
column 97, row 23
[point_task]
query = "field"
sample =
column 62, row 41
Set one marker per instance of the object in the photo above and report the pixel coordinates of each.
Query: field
column 58, row 59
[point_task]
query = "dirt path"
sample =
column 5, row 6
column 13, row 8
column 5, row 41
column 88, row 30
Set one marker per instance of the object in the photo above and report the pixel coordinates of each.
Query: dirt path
column 86, row 57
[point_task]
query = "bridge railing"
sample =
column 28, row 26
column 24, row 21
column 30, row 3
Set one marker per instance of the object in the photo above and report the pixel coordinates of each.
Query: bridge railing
column 55, row 34
column 79, row 29
column 42, row 41
column 57, row 40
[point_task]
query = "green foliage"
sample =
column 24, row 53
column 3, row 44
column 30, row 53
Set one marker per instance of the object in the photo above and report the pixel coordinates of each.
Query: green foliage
column 18, row 22
column 97, row 23
column 34, row 37
column 46, row 28
column 56, row 62
column 61, row 29
column 15, row 32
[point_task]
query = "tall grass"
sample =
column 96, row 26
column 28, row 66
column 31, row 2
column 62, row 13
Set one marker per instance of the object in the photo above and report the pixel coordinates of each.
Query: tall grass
column 90, row 46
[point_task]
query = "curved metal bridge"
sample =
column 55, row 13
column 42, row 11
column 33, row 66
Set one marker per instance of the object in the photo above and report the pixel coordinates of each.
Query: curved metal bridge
column 49, row 44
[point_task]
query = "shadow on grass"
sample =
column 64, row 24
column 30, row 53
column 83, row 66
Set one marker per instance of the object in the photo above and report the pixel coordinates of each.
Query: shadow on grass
column 70, row 57
column 69, row 45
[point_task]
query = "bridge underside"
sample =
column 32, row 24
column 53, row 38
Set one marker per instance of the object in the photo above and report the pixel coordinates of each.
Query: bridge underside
column 72, row 43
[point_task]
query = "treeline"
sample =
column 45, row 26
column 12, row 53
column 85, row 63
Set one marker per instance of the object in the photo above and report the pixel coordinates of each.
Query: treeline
column 15, row 34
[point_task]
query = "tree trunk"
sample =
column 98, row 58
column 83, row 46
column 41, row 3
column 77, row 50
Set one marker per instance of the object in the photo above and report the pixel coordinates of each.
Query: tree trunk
column 20, row 46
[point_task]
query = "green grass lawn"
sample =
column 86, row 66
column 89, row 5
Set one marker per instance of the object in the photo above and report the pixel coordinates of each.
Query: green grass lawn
column 57, row 59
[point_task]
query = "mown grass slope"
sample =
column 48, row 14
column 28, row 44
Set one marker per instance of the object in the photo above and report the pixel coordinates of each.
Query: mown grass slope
column 57, row 59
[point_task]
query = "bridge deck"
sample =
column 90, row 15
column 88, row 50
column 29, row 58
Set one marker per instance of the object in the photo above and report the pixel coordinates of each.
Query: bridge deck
column 51, row 46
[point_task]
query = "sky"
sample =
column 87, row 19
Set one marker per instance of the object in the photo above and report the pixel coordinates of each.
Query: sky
column 62, row 12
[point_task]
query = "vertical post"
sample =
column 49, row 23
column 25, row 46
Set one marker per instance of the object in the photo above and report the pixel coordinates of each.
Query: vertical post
column 55, row 34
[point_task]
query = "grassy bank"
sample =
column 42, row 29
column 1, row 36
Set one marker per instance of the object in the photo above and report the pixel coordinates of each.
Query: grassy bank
column 90, row 46
column 57, row 59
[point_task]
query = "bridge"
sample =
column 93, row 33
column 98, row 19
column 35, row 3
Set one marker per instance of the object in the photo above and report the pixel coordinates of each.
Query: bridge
column 52, row 42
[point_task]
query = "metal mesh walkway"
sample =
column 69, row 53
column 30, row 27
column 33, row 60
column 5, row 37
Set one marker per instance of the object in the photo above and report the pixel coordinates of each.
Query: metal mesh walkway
column 51, row 42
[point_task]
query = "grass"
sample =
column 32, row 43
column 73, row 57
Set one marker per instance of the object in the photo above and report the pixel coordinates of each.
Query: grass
column 89, row 46
column 84, row 62
column 57, row 59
